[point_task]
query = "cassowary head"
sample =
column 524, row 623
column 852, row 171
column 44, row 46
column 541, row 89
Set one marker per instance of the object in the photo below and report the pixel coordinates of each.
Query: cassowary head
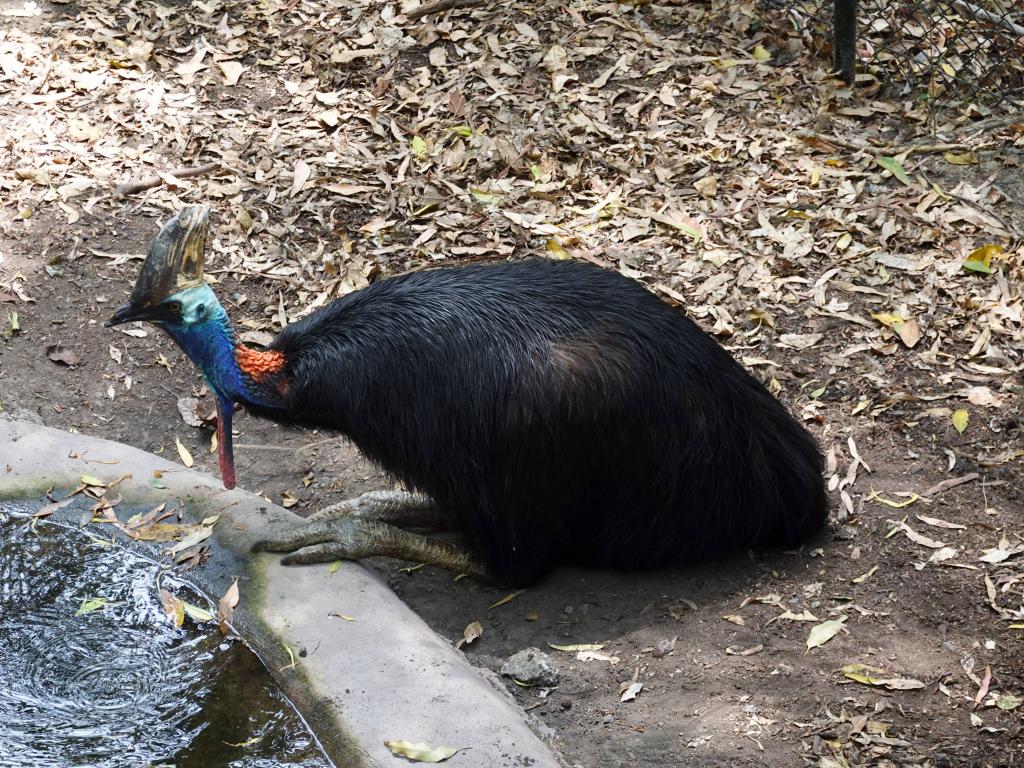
column 171, row 293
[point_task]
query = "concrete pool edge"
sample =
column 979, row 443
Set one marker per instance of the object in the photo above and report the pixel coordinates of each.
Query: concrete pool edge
column 386, row 675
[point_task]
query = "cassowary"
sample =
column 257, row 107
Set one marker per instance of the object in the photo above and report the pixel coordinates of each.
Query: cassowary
column 553, row 412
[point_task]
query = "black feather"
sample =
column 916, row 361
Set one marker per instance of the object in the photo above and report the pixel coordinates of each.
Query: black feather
column 560, row 413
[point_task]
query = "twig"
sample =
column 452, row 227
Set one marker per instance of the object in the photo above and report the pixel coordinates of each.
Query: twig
column 885, row 150
column 992, row 18
column 953, row 482
column 148, row 182
column 442, row 5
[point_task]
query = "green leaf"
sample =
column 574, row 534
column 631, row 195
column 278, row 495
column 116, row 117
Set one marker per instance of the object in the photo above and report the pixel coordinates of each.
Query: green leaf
column 977, row 266
column 960, row 419
column 92, row 481
column 980, row 259
column 892, row 165
column 197, row 614
column 462, row 130
column 421, row 753
column 1008, row 701
column 90, row 605
column 333, row 567
column 419, row 148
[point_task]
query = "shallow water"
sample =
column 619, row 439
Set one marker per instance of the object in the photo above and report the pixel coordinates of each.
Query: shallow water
column 121, row 687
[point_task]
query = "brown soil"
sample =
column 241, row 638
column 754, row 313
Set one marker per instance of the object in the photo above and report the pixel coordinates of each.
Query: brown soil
column 726, row 693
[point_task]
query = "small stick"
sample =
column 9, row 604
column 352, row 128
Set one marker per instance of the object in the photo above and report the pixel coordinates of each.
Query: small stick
column 442, row 5
column 884, row 150
column 953, row 482
column 148, row 182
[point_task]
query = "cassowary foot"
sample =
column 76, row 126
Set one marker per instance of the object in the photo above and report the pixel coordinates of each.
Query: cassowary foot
column 399, row 508
column 353, row 538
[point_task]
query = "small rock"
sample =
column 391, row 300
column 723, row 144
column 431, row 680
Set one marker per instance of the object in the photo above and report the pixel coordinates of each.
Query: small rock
column 532, row 667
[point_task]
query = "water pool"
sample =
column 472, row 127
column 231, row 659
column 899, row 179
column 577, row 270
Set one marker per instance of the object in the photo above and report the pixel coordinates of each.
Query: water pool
column 119, row 686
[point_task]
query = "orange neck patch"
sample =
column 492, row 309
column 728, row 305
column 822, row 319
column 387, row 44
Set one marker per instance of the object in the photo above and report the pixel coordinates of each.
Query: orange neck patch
column 259, row 363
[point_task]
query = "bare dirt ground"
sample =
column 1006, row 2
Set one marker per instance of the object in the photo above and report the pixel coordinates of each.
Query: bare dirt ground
column 353, row 142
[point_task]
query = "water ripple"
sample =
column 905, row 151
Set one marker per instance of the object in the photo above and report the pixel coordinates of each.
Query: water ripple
column 120, row 686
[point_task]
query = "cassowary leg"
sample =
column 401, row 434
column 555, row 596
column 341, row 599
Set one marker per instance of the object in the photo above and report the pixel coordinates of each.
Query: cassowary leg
column 353, row 538
column 400, row 508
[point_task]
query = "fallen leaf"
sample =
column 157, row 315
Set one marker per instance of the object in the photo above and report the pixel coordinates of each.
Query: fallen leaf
column 1008, row 701
column 186, row 457
column 629, row 691
column 910, row 333
column 174, row 607
column 197, row 614
column 892, row 165
column 190, row 541
column 421, row 753
column 90, row 605
column 232, row 71
column 49, row 509
column 577, row 647
column 301, row 174
column 63, row 356
column 862, row 673
column 506, row 599
column 471, row 633
column 960, row 419
column 822, row 633
column 226, row 606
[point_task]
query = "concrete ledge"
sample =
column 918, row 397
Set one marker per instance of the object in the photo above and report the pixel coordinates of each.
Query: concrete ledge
column 384, row 676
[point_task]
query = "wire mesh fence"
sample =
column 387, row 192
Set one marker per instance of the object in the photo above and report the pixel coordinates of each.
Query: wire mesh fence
column 927, row 49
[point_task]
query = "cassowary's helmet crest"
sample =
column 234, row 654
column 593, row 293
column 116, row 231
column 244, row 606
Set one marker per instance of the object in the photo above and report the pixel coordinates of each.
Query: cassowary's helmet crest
column 175, row 259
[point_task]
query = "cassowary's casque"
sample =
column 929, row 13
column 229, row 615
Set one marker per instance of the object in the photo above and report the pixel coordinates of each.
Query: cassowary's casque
column 553, row 412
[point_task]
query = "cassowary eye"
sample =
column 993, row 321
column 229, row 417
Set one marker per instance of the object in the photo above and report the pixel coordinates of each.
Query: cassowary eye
column 175, row 307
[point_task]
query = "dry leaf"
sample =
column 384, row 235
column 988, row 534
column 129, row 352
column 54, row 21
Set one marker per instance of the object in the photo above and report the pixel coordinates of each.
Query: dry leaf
column 226, row 607
column 822, row 633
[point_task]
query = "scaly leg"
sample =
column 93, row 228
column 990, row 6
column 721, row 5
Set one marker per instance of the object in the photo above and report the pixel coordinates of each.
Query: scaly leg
column 353, row 538
column 399, row 508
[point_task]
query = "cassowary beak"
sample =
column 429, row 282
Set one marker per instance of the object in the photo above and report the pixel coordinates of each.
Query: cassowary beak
column 174, row 263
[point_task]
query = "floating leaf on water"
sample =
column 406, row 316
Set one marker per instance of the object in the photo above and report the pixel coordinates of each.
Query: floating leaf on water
column 226, row 606
column 174, row 607
column 49, row 509
column 90, row 605
column 197, row 614
column 92, row 481
column 421, row 752
column 334, row 567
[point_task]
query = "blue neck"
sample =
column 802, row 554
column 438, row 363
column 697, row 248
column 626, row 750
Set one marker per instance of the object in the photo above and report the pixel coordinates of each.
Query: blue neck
column 211, row 346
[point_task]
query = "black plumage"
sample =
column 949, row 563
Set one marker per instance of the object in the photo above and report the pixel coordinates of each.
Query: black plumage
column 559, row 413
